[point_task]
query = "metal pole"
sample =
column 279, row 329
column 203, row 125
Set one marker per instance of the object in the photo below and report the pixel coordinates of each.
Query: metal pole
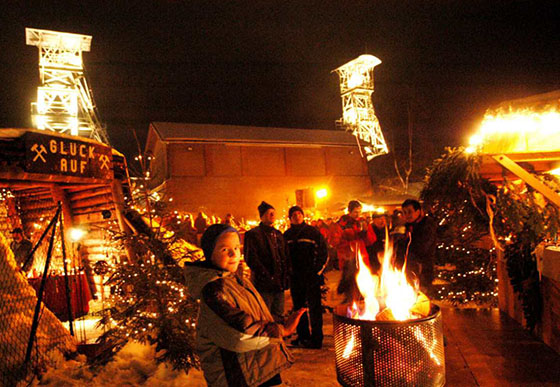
column 42, row 288
column 68, row 298
column 38, row 242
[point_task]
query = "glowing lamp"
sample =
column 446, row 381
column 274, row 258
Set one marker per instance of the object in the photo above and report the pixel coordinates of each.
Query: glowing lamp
column 321, row 193
column 76, row 234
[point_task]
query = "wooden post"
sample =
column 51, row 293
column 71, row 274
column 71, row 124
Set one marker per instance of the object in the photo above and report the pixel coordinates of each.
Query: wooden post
column 60, row 196
column 528, row 178
column 118, row 199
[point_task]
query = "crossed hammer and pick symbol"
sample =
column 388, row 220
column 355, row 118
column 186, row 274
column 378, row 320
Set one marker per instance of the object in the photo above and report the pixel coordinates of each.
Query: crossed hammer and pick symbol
column 104, row 161
column 39, row 150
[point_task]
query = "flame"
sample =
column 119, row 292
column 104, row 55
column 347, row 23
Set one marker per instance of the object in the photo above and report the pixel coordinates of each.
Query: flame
column 517, row 130
column 348, row 349
column 389, row 295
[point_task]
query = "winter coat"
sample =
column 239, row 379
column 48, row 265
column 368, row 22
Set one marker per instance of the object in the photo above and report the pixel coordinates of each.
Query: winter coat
column 21, row 252
column 267, row 256
column 354, row 236
column 238, row 342
column 422, row 249
column 308, row 251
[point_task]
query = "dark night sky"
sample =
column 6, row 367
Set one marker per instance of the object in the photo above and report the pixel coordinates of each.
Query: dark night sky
column 269, row 63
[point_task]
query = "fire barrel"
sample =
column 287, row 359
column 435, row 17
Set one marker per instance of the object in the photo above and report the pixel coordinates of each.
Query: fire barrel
column 389, row 353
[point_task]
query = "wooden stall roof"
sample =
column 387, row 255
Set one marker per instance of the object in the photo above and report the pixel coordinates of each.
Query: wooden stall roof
column 93, row 196
column 12, row 160
column 188, row 132
column 538, row 157
column 535, row 162
column 535, row 102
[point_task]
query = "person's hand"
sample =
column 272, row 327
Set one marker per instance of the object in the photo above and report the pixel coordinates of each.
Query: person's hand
column 292, row 322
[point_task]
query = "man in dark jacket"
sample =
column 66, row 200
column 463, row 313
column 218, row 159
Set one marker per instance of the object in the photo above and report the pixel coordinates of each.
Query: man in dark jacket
column 420, row 241
column 378, row 224
column 308, row 253
column 267, row 257
column 21, row 247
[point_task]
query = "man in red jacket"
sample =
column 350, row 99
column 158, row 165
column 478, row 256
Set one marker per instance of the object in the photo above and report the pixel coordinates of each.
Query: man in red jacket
column 356, row 235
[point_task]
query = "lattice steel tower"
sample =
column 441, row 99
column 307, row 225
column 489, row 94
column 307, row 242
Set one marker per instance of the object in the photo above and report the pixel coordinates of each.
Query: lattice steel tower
column 64, row 100
column 358, row 115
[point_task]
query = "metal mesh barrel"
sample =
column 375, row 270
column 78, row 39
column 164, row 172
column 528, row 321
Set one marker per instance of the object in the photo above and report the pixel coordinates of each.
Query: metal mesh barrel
column 390, row 353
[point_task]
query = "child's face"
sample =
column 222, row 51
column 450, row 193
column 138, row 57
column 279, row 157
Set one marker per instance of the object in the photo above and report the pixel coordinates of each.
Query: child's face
column 227, row 254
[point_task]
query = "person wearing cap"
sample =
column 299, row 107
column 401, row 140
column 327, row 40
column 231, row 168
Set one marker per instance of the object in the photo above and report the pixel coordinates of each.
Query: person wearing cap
column 356, row 235
column 21, row 247
column 308, row 254
column 238, row 341
column 266, row 255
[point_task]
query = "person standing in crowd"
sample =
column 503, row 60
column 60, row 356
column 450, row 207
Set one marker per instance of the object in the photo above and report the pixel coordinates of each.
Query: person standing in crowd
column 323, row 228
column 200, row 226
column 228, row 220
column 333, row 240
column 419, row 244
column 379, row 225
column 308, row 253
column 267, row 257
column 356, row 235
column 238, row 342
column 21, row 247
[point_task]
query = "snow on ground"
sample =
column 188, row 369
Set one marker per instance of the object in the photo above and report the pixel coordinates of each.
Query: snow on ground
column 134, row 365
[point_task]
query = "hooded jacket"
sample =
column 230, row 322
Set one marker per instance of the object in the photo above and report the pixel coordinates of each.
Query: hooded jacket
column 238, row 342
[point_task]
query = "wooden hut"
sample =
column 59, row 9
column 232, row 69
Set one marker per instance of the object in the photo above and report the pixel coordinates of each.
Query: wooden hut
column 525, row 143
column 39, row 169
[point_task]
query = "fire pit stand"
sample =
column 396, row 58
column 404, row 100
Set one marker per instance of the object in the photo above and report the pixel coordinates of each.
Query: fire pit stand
column 389, row 353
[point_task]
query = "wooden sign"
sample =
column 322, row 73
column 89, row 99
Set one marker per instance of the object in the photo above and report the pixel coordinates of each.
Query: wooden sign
column 64, row 156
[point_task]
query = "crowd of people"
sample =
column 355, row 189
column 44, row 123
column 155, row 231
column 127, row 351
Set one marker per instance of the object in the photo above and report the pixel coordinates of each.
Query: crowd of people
column 242, row 321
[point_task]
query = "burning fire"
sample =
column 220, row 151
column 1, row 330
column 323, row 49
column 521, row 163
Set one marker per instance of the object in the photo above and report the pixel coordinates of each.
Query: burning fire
column 389, row 295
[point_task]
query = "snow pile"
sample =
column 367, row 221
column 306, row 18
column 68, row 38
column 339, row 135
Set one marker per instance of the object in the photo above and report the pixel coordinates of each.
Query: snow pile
column 134, row 365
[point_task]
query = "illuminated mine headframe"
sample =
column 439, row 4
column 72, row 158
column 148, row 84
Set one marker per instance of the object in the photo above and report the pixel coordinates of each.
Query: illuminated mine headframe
column 358, row 115
column 64, row 101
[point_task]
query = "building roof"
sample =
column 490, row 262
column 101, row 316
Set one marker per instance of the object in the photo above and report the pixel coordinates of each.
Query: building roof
column 187, row 132
column 537, row 101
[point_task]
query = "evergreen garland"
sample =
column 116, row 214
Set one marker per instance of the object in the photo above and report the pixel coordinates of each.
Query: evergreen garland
column 459, row 196
column 465, row 258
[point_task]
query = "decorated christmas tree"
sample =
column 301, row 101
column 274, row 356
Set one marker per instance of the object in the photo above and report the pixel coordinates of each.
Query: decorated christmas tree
column 149, row 302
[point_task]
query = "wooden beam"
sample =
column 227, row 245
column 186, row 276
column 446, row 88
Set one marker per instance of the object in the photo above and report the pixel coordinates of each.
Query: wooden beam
column 528, row 178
